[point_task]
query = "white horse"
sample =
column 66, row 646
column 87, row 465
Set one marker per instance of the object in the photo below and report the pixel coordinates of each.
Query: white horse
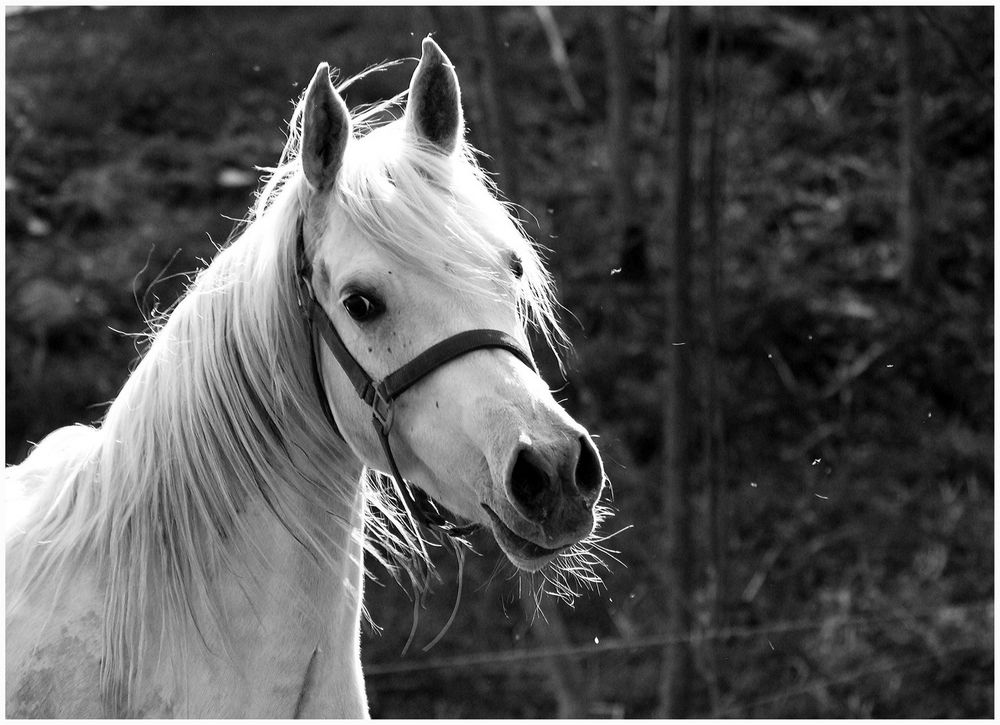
column 200, row 554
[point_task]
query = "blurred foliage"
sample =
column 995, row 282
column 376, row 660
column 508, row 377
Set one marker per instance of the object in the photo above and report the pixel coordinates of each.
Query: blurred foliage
column 858, row 417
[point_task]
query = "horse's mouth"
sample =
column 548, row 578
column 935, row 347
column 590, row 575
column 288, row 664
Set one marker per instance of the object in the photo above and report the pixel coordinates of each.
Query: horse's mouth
column 524, row 554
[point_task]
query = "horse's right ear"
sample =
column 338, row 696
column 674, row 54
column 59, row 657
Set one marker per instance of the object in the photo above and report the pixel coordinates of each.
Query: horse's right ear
column 326, row 126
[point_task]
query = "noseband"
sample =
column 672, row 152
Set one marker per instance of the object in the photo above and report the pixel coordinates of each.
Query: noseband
column 380, row 395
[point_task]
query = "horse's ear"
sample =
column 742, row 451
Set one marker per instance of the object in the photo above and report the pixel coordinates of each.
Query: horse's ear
column 434, row 108
column 326, row 126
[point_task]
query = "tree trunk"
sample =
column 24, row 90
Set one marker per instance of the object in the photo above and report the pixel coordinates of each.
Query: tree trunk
column 675, row 684
column 619, row 134
column 661, row 80
column 497, row 120
column 715, row 448
column 916, row 252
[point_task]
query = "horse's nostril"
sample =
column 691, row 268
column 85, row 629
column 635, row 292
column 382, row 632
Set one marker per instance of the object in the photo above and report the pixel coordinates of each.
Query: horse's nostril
column 589, row 472
column 529, row 485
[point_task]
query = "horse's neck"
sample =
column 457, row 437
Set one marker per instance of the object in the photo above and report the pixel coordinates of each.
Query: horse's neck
column 217, row 435
column 214, row 507
column 290, row 613
column 292, row 623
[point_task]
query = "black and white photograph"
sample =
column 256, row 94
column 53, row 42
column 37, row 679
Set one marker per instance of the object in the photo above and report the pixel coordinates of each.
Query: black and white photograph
column 510, row 362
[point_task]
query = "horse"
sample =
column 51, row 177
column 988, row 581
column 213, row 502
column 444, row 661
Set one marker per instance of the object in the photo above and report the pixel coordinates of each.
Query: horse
column 201, row 552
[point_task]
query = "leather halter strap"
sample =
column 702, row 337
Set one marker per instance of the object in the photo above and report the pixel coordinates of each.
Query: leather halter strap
column 380, row 395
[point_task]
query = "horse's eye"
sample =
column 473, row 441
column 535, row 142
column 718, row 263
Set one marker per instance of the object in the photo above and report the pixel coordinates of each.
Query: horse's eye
column 362, row 308
column 516, row 268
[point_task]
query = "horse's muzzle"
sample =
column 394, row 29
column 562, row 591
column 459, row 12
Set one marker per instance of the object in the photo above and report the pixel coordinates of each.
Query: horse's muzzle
column 551, row 492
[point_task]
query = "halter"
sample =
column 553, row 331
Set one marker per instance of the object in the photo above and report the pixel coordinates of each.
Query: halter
column 380, row 395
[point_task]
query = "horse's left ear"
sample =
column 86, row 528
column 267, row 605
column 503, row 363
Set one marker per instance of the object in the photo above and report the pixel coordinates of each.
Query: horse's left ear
column 434, row 108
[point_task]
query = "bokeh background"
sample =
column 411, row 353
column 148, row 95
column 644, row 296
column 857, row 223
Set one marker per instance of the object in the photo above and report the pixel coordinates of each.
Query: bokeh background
column 772, row 230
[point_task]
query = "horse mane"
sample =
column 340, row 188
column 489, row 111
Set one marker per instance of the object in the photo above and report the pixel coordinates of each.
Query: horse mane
column 205, row 427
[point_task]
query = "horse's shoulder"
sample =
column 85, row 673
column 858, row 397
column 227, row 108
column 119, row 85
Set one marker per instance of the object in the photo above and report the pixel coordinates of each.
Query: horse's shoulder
column 54, row 649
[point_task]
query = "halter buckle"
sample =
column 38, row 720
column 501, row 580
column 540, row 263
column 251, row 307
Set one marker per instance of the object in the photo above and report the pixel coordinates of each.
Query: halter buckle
column 382, row 411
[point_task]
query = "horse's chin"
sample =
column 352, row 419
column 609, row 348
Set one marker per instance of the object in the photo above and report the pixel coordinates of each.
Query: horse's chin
column 524, row 554
column 529, row 565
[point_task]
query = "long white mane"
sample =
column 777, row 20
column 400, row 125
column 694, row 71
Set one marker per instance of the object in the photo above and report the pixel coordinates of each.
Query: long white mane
column 213, row 417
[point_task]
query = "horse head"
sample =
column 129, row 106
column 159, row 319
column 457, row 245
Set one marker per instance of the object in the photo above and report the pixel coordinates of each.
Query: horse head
column 408, row 246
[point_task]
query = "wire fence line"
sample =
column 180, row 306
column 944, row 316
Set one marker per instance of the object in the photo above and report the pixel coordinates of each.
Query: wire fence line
column 506, row 657
column 812, row 686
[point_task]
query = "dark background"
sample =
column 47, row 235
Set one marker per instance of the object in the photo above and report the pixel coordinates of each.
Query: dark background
column 813, row 534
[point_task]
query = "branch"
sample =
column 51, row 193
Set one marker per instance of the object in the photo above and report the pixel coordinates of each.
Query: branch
column 784, row 372
column 558, row 50
column 956, row 48
column 661, row 81
column 849, row 373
